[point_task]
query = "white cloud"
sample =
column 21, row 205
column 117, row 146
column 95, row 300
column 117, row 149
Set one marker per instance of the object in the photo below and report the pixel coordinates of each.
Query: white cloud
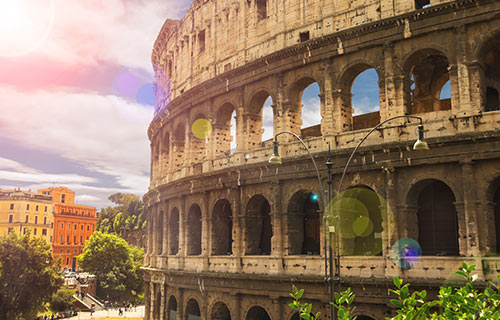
column 365, row 105
column 86, row 198
column 9, row 164
column 104, row 133
column 44, row 177
column 311, row 112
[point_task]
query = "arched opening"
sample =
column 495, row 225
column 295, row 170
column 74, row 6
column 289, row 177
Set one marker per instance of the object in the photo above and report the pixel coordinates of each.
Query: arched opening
column 258, row 231
column 223, row 130
column 156, row 306
column 303, row 224
column 179, row 143
column 437, row 219
column 496, row 201
column 303, row 115
column 193, row 230
column 428, row 73
column 220, row 312
column 365, row 99
column 492, row 100
column 199, row 135
column 165, row 155
column 295, row 316
column 174, row 232
column 257, row 313
column 159, row 231
column 259, row 124
column 222, row 228
column 490, row 59
column 172, row 308
column 360, row 225
column 193, row 310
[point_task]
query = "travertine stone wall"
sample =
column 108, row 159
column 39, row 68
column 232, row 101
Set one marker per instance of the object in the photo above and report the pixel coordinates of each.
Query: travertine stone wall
column 228, row 234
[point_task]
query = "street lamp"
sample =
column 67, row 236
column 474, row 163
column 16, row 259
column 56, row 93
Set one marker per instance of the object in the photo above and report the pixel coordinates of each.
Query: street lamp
column 275, row 159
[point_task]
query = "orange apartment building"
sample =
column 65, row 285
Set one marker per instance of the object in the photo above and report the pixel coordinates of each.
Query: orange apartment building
column 73, row 225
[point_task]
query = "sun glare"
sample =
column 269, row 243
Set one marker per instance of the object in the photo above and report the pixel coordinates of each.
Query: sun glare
column 24, row 25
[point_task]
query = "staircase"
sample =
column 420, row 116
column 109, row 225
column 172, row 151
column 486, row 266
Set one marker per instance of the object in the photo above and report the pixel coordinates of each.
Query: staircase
column 87, row 302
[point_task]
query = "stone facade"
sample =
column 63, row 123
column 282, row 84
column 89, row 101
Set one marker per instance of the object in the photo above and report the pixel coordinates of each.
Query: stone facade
column 228, row 234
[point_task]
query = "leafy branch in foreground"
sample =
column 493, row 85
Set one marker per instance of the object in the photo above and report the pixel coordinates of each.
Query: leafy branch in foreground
column 458, row 303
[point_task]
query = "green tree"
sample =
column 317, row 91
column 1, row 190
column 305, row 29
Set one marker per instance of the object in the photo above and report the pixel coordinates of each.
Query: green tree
column 116, row 265
column 28, row 276
column 62, row 300
column 456, row 303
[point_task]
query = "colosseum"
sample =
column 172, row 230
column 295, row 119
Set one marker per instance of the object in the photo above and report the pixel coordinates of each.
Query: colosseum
column 229, row 233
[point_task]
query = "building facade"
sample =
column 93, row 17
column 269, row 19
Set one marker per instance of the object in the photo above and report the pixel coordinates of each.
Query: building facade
column 25, row 211
column 228, row 233
column 73, row 225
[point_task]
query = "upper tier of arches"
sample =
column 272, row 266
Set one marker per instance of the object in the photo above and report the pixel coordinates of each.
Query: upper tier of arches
column 439, row 81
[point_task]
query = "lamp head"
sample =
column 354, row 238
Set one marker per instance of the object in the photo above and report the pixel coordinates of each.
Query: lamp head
column 275, row 158
column 420, row 144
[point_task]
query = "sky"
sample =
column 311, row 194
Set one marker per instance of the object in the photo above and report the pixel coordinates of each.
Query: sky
column 76, row 94
column 65, row 116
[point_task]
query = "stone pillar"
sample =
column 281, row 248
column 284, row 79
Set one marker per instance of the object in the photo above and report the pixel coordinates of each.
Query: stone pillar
column 154, row 219
column 212, row 139
column 187, row 142
column 342, row 110
column 390, row 232
column 463, row 240
column 241, row 142
column 147, row 298
column 469, row 191
column 205, row 229
column 454, row 84
column 328, row 121
column 152, row 300
column 393, row 104
column 477, row 84
column 171, row 165
column 165, row 228
column 182, row 232
column 463, row 81
column 236, row 307
column 162, row 302
column 486, row 222
column 276, row 218
column 180, row 305
column 238, row 250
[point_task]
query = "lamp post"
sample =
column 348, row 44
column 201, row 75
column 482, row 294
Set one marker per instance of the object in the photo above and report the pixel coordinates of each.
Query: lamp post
column 420, row 144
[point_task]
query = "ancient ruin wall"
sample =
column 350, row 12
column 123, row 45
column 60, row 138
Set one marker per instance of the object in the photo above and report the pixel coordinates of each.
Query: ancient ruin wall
column 217, row 36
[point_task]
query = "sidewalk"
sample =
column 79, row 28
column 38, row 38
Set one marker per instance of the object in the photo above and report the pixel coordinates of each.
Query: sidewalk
column 112, row 313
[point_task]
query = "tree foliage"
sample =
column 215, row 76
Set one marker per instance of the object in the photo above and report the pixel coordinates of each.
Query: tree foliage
column 457, row 303
column 28, row 275
column 126, row 219
column 62, row 300
column 116, row 265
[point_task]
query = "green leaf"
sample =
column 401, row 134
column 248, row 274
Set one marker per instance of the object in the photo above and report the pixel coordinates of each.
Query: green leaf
column 396, row 303
column 397, row 282
column 299, row 294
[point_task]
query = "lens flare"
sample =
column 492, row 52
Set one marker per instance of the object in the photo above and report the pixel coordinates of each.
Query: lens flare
column 406, row 253
column 24, row 25
column 201, row 128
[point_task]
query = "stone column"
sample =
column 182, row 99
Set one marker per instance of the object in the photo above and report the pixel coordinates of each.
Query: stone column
column 277, row 226
column 152, row 300
column 477, row 84
column 154, row 219
column 470, row 198
column 205, row 229
column 328, row 121
column 463, row 240
column 342, row 110
column 241, row 142
column 147, row 298
column 211, row 143
column 238, row 250
column 171, row 166
column 486, row 222
column 187, row 142
column 182, row 232
column 180, row 305
column 390, row 227
column 162, row 302
column 165, row 229
column 463, row 79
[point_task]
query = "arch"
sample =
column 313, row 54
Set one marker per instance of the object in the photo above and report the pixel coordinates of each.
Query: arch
column 303, row 224
column 259, row 118
column 222, row 129
column 159, row 230
column 174, row 232
column 354, row 115
column 199, row 142
column 193, row 230
column 365, row 99
column 436, row 216
column 193, row 310
column 220, row 311
column 489, row 57
column 295, row 316
column 258, row 226
column 179, row 144
column 222, row 228
column 172, row 308
column 360, row 211
column 257, row 313
column 304, row 117
column 426, row 72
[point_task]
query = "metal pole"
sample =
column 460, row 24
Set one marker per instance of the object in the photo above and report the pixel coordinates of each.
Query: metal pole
column 329, row 165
